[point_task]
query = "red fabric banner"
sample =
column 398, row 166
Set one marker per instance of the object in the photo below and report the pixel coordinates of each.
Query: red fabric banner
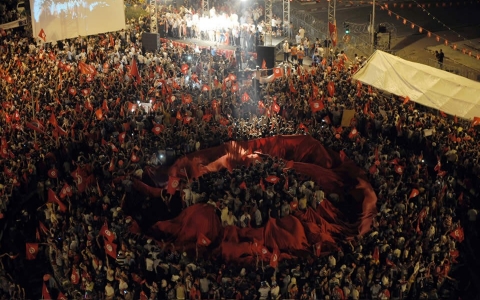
column 290, row 235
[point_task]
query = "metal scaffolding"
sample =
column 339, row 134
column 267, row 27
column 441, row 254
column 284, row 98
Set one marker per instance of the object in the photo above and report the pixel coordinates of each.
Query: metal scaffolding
column 332, row 7
column 268, row 23
column 153, row 16
column 286, row 11
column 205, row 8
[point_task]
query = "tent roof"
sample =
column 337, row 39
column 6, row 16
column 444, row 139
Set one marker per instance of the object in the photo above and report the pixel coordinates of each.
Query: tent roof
column 432, row 87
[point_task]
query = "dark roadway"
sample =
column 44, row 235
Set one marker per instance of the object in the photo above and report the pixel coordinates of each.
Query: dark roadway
column 456, row 16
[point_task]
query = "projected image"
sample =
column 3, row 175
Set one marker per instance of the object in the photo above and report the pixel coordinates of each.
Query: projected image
column 65, row 9
column 60, row 19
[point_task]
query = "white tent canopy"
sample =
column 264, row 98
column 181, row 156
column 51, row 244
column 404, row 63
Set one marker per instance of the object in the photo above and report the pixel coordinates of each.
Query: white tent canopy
column 432, row 87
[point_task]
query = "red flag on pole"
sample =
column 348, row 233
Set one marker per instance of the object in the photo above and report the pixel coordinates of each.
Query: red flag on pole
column 264, row 65
column 277, row 73
column 202, row 240
column 274, row 259
column 53, row 120
column 45, row 292
column 353, row 133
column 36, row 125
column 399, row 169
column 173, row 183
column 111, row 249
column 42, row 35
column 134, row 157
column 106, row 233
column 105, row 106
column 331, row 88
column 65, row 191
column 245, row 97
column 243, row 185
column 275, row 107
column 61, row 296
column 88, row 105
column 458, row 234
column 476, row 121
column 99, row 114
column 316, row 106
column 53, row 198
column 157, row 129
column 134, row 71
column 332, row 28
column 414, row 193
column 52, row 173
column 272, row 179
column 32, row 250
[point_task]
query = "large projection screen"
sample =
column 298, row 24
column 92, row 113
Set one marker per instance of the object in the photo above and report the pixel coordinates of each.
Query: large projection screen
column 54, row 20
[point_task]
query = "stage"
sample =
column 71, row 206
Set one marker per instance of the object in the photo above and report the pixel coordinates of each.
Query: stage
column 223, row 48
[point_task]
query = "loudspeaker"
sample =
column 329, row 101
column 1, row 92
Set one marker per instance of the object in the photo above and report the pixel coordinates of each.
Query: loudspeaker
column 150, row 41
column 382, row 29
column 266, row 53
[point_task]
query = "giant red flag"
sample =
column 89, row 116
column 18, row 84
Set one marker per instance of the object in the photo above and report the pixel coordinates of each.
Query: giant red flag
column 31, row 250
column 53, row 198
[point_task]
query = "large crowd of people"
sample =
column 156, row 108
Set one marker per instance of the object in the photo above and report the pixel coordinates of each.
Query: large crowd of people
column 81, row 119
column 8, row 11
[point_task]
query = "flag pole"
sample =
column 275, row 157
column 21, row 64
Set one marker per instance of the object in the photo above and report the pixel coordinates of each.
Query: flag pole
column 33, row 109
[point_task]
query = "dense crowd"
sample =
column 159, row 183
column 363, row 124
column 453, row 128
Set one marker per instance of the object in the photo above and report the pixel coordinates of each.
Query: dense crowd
column 79, row 109
column 8, row 11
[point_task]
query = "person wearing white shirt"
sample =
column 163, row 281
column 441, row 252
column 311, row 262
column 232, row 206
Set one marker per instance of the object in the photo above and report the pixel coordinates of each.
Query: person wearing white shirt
column 301, row 32
column 109, row 291
column 275, row 291
column 264, row 290
column 149, row 263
